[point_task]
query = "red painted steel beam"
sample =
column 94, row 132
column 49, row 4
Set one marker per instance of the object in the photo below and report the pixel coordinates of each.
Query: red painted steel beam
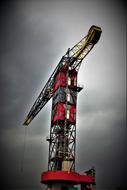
column 76, row 178
column 49, row 176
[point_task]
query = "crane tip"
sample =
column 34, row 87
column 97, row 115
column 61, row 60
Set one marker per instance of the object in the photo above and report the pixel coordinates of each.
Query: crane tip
column 27, row 121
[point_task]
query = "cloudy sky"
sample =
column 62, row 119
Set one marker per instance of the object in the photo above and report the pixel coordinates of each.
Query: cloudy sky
column 34, row 35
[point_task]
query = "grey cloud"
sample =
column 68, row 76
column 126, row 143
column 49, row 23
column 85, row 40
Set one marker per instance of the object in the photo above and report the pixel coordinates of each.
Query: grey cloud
column 34, row 36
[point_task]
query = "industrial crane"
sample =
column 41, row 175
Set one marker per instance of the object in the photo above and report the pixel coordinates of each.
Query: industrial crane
column 63, row 88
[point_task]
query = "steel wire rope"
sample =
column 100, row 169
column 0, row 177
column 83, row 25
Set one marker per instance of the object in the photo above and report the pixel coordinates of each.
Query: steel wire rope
column 23, row 151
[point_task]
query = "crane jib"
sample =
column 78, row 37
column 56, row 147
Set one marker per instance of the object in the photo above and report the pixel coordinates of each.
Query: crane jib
column 75, row 55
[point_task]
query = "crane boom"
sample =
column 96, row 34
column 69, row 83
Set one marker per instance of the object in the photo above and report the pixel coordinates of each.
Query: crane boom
column 73, row 59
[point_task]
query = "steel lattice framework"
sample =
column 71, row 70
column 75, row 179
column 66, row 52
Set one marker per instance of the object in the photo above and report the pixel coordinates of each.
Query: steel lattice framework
column 63, row 130
column 62, row 87
column 76, row 55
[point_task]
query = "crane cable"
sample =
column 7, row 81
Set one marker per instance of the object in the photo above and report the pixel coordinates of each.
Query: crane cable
column 23, row 151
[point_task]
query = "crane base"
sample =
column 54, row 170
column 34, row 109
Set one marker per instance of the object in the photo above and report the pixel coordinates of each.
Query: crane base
column 65, row 180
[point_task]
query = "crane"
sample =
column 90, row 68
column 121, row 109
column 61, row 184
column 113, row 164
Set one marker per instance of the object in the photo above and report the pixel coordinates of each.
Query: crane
column 63, row 88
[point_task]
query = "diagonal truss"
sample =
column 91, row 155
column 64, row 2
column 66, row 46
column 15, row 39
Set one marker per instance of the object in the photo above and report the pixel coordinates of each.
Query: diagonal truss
column 75, row 55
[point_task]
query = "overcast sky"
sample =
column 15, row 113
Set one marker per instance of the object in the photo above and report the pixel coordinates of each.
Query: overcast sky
column 34, row 35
